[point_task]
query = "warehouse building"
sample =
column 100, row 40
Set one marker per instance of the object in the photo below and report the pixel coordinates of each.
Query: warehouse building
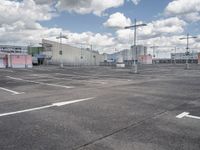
column 70, row 55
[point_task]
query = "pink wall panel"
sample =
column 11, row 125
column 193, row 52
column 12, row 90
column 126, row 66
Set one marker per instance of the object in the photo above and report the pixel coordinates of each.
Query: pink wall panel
column 29, row 59
column 18, row 59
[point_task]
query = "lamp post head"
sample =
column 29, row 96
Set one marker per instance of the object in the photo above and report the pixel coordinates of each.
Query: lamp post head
column 62, row 36
column 133, row 26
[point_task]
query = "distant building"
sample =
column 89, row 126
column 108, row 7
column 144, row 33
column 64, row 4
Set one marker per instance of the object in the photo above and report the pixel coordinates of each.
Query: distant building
column 13, row 49
column 14, row 57
column 136, row 53
column 71, row 55
column 182, row 57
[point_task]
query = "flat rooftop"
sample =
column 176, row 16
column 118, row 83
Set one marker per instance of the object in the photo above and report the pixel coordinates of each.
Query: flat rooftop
column 100, row 108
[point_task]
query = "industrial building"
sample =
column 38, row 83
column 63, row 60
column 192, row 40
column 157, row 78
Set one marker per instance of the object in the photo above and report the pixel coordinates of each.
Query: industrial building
column 70, row 55
column 136, row 53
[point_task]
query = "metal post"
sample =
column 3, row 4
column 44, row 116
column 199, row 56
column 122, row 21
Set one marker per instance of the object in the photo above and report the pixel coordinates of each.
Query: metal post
column 187, row 48
column 135, row 45
column 135, row 35
column 175, row 56
column 154, row 56
column 187, row 52
column 61, row 52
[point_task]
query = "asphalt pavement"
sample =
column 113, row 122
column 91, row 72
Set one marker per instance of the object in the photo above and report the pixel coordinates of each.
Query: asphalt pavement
column 100, row 108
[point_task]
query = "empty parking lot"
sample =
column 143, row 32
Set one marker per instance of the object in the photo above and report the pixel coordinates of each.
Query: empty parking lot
column 100, row 108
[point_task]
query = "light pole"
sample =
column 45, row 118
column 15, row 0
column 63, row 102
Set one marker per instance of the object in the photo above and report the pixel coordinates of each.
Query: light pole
column 154, row 49
column 135, row 26
column 175, row 55
column 61, row 51
column 187, row 48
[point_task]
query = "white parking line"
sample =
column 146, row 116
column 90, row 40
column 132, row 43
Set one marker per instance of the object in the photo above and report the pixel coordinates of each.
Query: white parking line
column 69, row 75
column 6, row 70
column 42, row 69
column 26, row 70
column 47, row 106
column 187, row 114
column 41, row 83
column 11, row 91
column 47, row 76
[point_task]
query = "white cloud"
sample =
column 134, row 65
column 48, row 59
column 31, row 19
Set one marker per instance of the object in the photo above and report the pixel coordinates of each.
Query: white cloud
column 12, row 11
column 100, row 40
column 117, row 20
column 96, row 7
column 19, row 21
column 172, row 25
column 188, row 9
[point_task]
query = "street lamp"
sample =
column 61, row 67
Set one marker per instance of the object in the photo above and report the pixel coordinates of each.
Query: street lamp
column 154, row 49
column 135, row 26
column 61, row 51
column 175, row 54
column 187, row 48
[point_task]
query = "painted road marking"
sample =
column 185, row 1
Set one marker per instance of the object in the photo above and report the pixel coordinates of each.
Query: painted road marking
column 7, row 70
column 26, row 70
column 47, row 76
column 11, row 91
column 69, row 75
column 187, row 114
column 41, row 83
column 47, row 106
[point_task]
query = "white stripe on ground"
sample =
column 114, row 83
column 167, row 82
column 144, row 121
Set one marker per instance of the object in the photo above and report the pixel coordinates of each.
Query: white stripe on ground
column 11, row 91
column 47, row 76
column 41, row 83
column 7, row 70
column 23, row 111
column 71, row 102
column 187, row 114
column 47, row 106
column 26, row 70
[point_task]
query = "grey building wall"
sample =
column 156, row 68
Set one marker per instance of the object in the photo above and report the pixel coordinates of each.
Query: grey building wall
column 71, row 55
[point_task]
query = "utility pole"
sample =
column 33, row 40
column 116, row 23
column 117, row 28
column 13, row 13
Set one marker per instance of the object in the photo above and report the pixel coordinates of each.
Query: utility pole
column 61, row 50
column 187, row 48
column 135, row 26
column 154, row 49
column 175, row 55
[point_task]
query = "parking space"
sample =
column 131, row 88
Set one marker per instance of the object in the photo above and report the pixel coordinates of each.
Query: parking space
column 100, row 108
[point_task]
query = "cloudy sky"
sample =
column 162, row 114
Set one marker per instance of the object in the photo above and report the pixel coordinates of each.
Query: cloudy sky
column 100, row 22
